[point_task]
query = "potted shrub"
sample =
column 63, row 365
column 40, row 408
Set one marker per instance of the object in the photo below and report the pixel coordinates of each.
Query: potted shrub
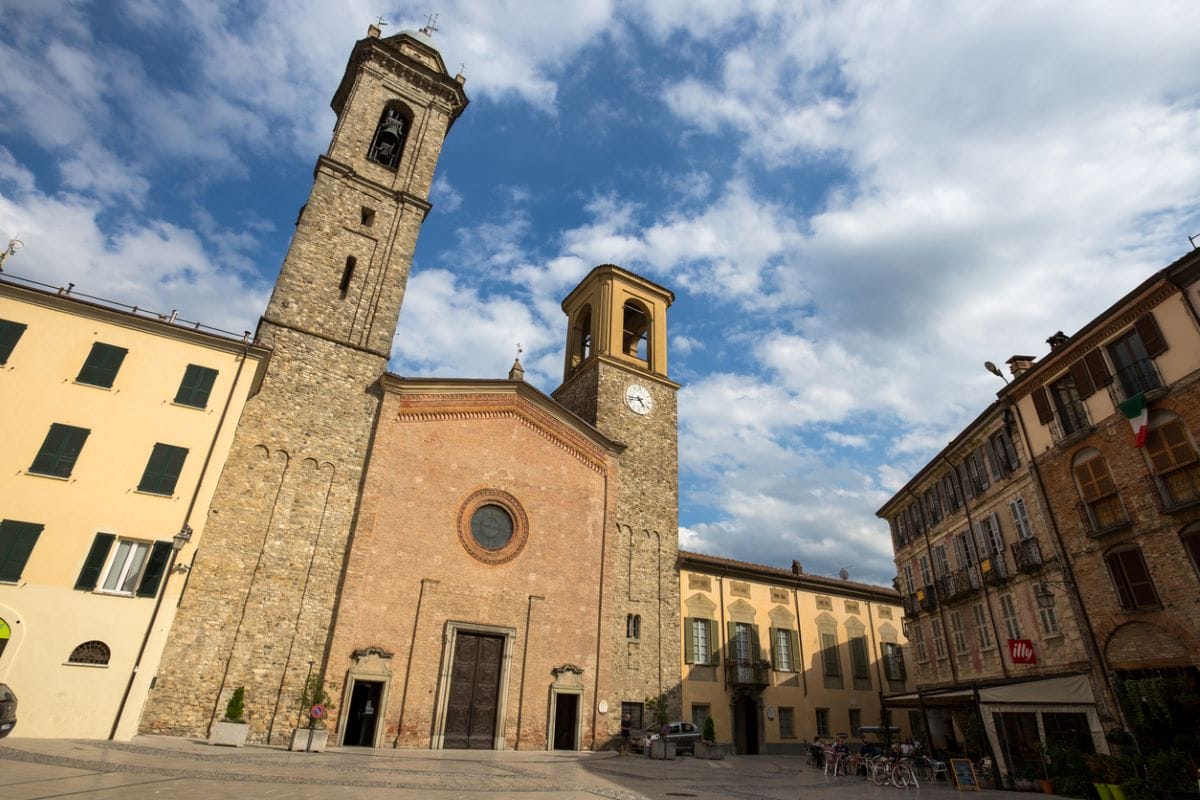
column 660, row 747
column 310, row 734
column 1045, row 783
column 1105, row 771
column 707, row 747
column 231, row 731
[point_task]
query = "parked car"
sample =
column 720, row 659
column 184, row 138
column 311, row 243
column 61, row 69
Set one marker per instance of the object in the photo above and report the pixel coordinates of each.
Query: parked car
column 8, row 710
column 683, row 734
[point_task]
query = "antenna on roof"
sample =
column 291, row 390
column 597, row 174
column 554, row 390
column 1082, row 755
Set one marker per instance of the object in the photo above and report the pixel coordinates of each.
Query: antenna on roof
column 430, row 24
column 380, row 23
column 1192, row 241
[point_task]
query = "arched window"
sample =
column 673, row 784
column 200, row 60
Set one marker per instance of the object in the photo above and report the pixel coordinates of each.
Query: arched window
column 1102, row 507
column 1131, row 578
column 581, row 337
column 635, row 339
column 633, row 626
column 93, row 652
column 388, row 143
column 1172, row 460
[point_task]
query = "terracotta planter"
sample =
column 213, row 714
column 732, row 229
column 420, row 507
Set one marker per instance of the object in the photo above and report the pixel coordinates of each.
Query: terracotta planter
column 300, row 739
column 1047, row 787
column 229, row 734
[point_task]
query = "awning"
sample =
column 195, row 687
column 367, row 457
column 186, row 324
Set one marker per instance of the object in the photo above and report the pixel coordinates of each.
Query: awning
column 1067, row 689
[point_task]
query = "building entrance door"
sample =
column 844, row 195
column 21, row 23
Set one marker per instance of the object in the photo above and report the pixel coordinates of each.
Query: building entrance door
column 745, row 725
column 566, row 720
column 362, row 715
column 474, row 692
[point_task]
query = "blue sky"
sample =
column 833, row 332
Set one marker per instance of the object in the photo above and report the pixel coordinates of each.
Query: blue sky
column 856, row 203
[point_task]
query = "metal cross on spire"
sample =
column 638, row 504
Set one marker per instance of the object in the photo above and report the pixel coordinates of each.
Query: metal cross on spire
column 379, row 23
column 430, row 24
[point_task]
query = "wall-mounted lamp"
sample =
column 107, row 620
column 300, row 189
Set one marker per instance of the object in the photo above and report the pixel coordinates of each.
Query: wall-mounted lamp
column 183, row 537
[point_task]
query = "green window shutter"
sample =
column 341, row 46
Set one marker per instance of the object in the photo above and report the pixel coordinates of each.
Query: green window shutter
column 196, row 386
column 89, row 576
column 858, row 654
column 755, row 648
column 714, row 642
column 10, row 333
column 795, row 650
column 163, row 468
column 731, row 642
column 774, row 647
column 100, row 367
column 689, row 640
column 156, row 565
column 16, row 543
column 59, row 450
column 830, row 655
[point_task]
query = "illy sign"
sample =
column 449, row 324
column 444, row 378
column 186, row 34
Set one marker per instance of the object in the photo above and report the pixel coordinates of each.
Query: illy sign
column 1021, row 651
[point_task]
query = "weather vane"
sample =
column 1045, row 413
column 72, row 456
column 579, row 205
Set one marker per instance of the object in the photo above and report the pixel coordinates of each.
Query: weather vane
column 380, row 23
column 430, row 24
column 519, row 350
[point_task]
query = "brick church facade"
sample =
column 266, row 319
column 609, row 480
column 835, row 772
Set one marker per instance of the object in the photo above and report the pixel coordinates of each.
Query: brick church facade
column 461, row 563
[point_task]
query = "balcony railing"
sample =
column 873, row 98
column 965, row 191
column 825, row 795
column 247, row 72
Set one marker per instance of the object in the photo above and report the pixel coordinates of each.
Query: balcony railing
column 1103, row 516
column 1027, row 555
column 909, row 601
column 1069, row 419
column 995, row 569
column 1177, row 490
column 945, row 587
column 1139, row 377
column 747, row 673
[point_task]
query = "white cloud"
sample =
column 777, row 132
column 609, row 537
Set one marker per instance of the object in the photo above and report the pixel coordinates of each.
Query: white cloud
column 444, row 196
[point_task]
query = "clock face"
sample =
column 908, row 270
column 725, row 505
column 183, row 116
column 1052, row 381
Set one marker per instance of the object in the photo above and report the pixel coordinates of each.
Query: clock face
column 638, row 398
column 492, row 527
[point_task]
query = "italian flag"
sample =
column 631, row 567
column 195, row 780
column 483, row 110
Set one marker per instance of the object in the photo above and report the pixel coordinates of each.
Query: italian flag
column 1138, row 414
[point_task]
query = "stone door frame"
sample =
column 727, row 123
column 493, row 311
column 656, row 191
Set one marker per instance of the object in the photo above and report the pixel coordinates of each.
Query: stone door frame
column 568, row 680
column 370, row 665
column 449, row 642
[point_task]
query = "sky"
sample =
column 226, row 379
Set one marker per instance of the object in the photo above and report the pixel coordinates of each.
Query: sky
column 855, row 203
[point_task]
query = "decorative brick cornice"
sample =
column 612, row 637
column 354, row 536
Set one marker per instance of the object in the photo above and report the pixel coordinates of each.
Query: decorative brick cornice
column 436, row 407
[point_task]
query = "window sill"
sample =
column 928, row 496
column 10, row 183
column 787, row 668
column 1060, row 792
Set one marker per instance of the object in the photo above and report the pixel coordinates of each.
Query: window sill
column 85, row 666
column 189, row 405
column 1049, row 636
column 51, row 476
column 169, row 495
column 93, row 385
column 110, row 593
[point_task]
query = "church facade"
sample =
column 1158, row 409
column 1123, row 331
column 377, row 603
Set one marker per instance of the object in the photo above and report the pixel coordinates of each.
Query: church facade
column 459, row 563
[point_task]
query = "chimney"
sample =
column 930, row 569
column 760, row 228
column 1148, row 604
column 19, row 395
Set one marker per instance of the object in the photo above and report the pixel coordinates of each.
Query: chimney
column 1057, row 340
column 1018, row 365
column 797, row 567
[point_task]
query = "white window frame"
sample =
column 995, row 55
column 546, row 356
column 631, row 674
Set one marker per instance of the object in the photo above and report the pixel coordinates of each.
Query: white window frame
column 1012, row 620
column 741, row 642
column 783, row 649
column 701, row 654
column 982, row 627
column 926, row 573
column 1021, row 522
column 908, row 578
column 1048, row 616
column 941, row 561
column 124, row 568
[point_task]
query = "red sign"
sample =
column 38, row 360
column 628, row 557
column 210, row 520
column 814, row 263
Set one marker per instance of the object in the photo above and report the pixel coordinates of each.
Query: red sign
column 1021, row 651
column 317, row 711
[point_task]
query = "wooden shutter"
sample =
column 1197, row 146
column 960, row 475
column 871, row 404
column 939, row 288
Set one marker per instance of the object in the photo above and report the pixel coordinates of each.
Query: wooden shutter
column 964, row 480
column 10, row 334
column 689, row 640
column 994, row 458
column 1168, row 446
column 731, row 643
column 16, row 544
column 89, row 576
column 1094, row 480
column 1097, row 369
column 858, row 654
column 1041, row 404
column 156, row 566
column 714, row 643
column 1083, row 379
column 756, row 652
column 774, row 647
column 1152, row 338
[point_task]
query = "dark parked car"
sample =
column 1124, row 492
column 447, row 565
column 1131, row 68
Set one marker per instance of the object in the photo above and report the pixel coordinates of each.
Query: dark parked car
column 683, row 734
column 8, row 710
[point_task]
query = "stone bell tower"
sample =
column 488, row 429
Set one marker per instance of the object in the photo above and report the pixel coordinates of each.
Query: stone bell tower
column 260, row 597
column 615, row 377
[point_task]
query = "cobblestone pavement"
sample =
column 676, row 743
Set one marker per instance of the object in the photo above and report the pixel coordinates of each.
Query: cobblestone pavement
column 186, row 769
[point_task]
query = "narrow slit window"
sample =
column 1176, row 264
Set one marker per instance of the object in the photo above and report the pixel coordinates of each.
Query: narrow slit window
column 368, row 217
column 347, row 274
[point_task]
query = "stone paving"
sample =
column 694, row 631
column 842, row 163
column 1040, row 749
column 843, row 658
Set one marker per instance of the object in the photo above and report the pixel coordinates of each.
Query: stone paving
column 188, row 769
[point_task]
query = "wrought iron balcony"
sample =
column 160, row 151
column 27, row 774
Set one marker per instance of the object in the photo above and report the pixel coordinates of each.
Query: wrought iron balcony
column 909, row 601
column 1103, row 516
column 995, row 569
column 740, row 672
column 1027, row 555
column 1178, row 489
column 1069, row 419
column 927, row 598
column 1139, row 377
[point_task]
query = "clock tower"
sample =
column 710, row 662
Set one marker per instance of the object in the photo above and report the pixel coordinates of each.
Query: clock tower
column 615, row 377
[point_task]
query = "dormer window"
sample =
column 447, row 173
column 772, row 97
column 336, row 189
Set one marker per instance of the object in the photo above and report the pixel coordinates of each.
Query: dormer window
column 388, row 143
